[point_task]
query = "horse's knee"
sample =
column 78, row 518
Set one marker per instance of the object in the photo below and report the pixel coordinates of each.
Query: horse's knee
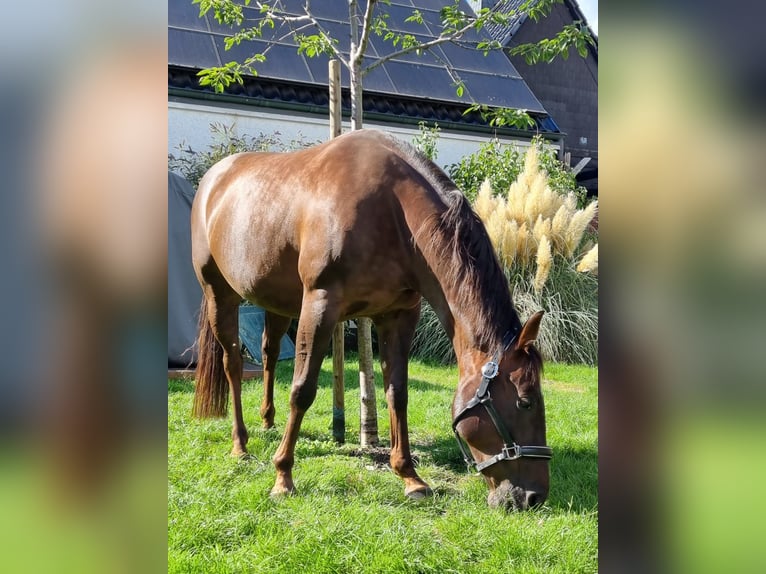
column 302, row 395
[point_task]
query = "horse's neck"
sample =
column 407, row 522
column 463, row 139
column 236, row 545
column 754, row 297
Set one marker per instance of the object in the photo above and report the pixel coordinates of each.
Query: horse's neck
column 457, row 326
column 447, row 298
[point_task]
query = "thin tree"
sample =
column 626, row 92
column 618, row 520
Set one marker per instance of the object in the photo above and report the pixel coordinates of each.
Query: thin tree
column 365, row 19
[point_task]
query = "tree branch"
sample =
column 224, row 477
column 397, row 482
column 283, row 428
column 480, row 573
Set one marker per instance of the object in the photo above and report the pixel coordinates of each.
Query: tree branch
column 366, row 26
column 452, row 37
column 425, row 46
column 353, row 29
column 280, row 15
column 335, row 51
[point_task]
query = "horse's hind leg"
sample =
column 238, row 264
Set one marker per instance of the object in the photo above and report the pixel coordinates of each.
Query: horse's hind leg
column 319, row 313
column 223, row 314
column 395, row 333
column 275, row 326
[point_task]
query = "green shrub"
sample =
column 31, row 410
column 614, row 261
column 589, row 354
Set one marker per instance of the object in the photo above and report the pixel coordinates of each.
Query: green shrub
column 501, row 165
column 494, row 162
column 427, row 140
column 192, row 164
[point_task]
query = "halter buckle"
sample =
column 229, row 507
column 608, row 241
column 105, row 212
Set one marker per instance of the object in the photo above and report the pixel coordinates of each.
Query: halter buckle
column 489, row 370
column 515, row 449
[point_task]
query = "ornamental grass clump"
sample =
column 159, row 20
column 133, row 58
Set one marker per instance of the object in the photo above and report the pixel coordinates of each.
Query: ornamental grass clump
column 541, row 238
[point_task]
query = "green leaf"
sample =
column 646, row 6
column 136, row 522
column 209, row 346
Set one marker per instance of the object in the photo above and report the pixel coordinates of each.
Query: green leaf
column 417, row 17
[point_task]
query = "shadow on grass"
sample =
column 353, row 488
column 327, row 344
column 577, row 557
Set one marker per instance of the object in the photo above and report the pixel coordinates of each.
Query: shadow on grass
column 284, row 376
column 573, row 472
column 351, row 378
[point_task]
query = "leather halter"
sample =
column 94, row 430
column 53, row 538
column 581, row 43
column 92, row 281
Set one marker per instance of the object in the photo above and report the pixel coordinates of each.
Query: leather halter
column 510, row 450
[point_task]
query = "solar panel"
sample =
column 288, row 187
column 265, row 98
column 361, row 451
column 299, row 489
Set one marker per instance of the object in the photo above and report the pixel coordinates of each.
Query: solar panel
column 428, row 82
column 282, row 62
column 385, row 47
column 180, row 16
column 491, row 80
column 193, row 49
column 467, row 58
column 505, row 92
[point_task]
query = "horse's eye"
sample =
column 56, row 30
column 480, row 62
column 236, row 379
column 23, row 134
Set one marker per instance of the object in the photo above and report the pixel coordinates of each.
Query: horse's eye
column 524, row 403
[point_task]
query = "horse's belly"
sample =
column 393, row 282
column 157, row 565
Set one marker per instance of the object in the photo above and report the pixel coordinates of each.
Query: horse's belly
column 273, row 284
column 276, row 294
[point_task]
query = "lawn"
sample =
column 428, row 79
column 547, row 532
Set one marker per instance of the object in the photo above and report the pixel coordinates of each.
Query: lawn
column 350, row 514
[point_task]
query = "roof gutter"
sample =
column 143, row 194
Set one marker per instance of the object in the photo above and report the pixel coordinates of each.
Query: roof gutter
column 370, row 115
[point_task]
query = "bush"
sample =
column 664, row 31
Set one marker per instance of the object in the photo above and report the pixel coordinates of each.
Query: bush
column 427, row 140
column 501, row 165
column 192, row 164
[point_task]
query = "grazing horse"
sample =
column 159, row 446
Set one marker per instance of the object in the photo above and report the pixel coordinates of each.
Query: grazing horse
column 364, row 225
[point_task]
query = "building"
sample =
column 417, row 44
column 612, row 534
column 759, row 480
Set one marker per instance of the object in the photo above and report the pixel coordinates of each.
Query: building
column 567, row 89
column 289, row 95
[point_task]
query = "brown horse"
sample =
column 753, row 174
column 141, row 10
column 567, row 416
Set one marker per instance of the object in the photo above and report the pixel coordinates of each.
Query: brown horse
column 363, row 225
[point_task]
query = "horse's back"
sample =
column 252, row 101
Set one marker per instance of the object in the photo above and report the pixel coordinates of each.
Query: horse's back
column 274, row 223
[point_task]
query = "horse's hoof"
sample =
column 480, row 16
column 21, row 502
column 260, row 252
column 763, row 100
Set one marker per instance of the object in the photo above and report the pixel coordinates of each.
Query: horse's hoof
column 239, row 453
column 419, row 493
column 281, row 492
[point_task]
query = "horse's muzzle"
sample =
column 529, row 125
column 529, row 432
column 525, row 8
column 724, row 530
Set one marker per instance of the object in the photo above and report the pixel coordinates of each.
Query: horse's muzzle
column 515, row 498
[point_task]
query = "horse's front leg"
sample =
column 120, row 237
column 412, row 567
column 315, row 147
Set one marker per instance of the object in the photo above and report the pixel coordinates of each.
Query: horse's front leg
column 319, row 313
column 275, row 326
column 395, row 333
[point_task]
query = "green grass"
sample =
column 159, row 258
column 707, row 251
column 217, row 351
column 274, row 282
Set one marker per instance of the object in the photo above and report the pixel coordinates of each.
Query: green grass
column 350, row 513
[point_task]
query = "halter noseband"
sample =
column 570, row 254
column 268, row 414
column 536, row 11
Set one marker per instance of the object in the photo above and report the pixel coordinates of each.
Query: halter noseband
column 482, row 397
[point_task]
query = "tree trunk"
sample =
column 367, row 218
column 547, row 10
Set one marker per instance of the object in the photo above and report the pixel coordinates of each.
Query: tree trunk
column 338, row 348
column 368, row 413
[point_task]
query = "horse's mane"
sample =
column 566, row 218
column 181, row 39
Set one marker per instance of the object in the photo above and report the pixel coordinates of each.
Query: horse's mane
column 462, row 256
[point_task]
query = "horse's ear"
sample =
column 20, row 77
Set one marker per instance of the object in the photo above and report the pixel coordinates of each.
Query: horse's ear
column 529, row 330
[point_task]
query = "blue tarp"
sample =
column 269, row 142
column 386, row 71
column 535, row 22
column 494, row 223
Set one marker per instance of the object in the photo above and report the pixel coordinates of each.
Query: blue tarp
column 251, row 321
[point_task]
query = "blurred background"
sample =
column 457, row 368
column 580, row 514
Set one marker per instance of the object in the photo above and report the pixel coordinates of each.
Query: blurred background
column 683, row 316
column 83, row 287
column 83, row 244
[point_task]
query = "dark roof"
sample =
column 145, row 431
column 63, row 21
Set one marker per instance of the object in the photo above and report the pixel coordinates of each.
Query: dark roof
column 504, row 33
column 406, row 85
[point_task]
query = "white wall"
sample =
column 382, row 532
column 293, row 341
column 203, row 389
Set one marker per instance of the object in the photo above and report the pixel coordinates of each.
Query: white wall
column 190, row 123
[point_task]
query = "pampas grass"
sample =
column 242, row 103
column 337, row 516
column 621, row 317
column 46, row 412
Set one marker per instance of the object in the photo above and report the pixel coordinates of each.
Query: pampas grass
column 535, row 213
column 589, row 262
column 544, row 264
column 538, row 235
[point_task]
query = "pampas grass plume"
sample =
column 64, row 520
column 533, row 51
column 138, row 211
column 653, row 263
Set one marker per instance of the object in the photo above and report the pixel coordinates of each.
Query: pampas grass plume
column 577, row 226
column 589, row 262
column 509, row 247
column 485, row 203
column 544, row 264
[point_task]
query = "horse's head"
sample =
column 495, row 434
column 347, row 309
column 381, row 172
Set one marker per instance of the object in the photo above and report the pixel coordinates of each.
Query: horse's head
column 499, row 413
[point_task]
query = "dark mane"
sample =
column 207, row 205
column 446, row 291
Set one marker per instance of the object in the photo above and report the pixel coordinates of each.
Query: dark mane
column 472, row 271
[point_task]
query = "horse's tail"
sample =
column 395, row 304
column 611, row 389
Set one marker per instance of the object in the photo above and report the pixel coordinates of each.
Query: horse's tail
column 211, row 392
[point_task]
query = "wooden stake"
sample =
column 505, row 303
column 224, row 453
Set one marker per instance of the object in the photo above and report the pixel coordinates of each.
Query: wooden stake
column 338, row 348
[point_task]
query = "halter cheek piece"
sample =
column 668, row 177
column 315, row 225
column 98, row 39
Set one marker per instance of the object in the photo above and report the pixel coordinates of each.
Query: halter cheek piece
column 482, row 397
